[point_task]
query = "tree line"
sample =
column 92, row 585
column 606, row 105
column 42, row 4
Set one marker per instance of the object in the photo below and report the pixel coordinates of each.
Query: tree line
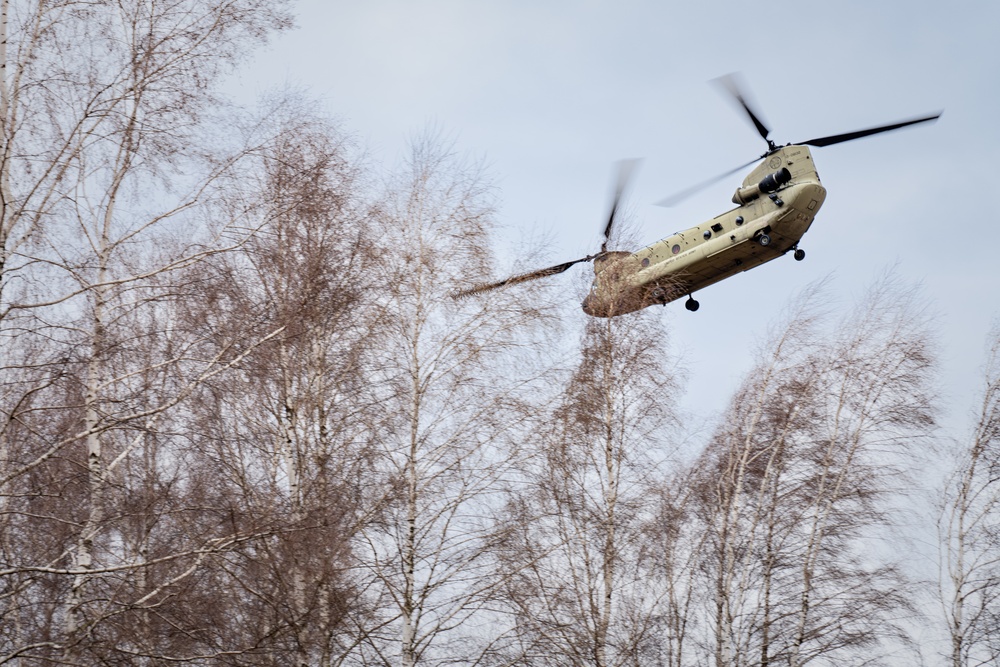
column 243, row 423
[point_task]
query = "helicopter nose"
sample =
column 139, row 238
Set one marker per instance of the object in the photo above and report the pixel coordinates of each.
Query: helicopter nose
column 595, row 307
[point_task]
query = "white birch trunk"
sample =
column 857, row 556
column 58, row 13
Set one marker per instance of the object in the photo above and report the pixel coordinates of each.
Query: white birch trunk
column 84, row 556
column 610, row 501
column 409, row 605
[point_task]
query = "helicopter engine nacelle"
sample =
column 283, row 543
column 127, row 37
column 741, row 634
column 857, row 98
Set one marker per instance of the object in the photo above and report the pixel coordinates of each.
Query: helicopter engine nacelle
column 769, row 183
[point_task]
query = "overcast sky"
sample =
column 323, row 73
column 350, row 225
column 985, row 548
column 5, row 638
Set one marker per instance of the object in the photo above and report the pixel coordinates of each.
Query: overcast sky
column 550, row 93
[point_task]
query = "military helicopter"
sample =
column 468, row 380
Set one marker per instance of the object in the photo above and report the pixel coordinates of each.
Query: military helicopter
column 775, row 205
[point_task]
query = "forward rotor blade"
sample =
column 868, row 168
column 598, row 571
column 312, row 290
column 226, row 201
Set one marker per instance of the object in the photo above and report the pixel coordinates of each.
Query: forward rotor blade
column 729, row 82
column 480, row 288
column 850, row 136
column 625, row 170
column 673, row 200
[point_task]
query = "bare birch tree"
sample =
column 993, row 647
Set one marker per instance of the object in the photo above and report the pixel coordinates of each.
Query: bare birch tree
column 100, row 106
column 796, row 483
column 278, row 438
column 574, row 558
column 454, row 380
column 969, row 530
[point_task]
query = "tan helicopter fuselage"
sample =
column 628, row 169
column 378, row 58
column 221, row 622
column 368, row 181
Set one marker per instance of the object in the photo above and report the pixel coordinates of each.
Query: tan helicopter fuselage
column 764, row 226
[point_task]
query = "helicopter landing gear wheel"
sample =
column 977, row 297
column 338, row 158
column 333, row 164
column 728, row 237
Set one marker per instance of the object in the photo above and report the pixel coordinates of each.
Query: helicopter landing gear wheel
column 691, row 304
column 799, row 254
column 764, row 240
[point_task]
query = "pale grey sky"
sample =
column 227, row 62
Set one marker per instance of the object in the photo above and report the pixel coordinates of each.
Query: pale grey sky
column 551, row 93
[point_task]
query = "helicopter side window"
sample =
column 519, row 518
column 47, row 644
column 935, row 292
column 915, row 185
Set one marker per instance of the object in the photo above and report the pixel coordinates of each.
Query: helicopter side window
column 717, row 227
column 676, row 249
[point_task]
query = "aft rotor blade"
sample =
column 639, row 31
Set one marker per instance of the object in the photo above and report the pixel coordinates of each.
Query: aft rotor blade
column 625, row 170
column 850, row 136
column 673, row 200
column 729, row 82
column 520, row 278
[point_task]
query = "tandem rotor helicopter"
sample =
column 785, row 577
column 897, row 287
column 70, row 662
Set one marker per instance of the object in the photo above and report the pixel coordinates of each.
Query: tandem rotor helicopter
column 775, row 205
